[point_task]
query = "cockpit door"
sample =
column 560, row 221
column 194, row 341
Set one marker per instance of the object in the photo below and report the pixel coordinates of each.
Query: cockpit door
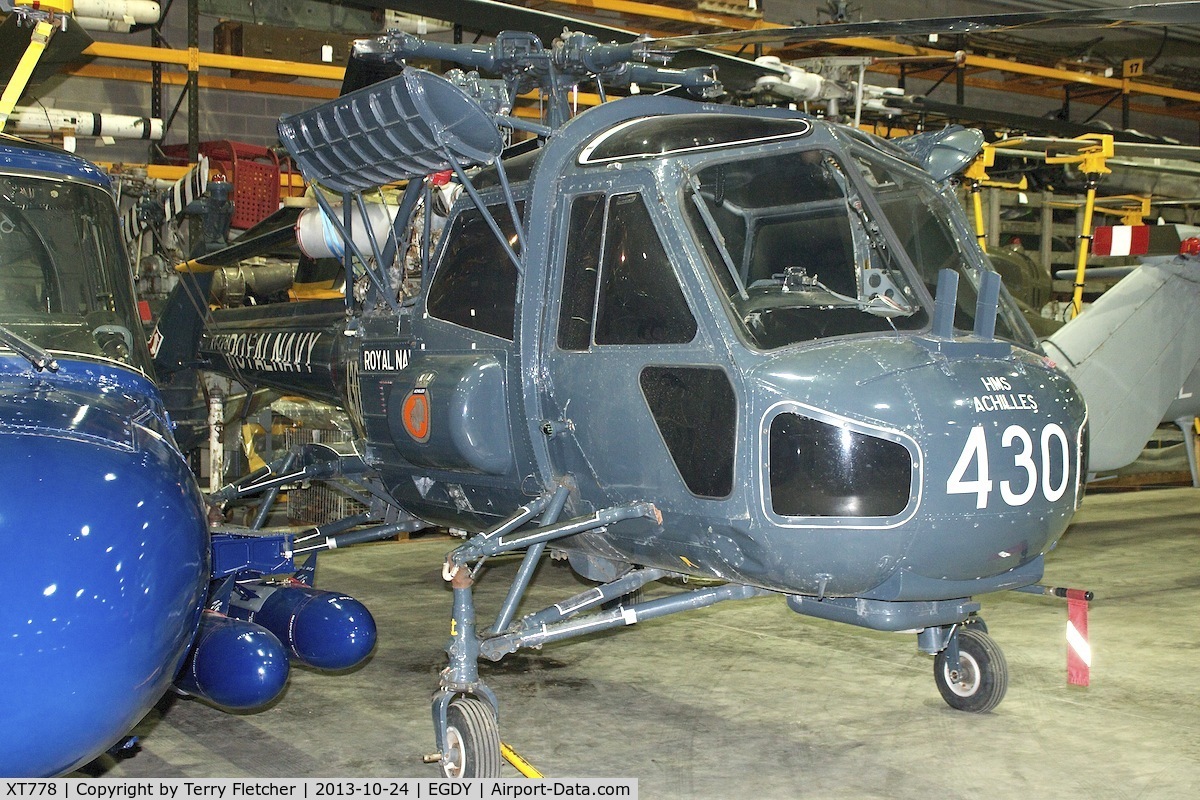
column 640, row 404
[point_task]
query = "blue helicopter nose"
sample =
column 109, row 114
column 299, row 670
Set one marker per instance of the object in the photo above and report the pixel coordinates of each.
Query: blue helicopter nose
column 105, row 566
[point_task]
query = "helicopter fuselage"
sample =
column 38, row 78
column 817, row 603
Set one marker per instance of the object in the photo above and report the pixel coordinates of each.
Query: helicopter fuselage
column 104, row 532
column 729, row 314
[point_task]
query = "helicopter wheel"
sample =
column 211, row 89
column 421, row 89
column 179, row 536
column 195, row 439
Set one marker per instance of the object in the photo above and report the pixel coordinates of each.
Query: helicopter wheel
column 983, row 673
column 472, row 740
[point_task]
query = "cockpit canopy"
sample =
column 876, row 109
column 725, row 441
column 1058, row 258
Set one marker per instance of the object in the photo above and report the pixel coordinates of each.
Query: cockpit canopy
column 64, row 276
column 830, row 240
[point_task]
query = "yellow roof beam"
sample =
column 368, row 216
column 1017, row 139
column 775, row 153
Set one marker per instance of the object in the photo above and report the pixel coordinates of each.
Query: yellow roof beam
column 131, row 75
column 670, row 13
column 198, row 59
column 973, row 61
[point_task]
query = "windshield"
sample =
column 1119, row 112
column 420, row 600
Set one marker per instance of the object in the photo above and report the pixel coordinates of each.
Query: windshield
column 794, row 251
column 65, row 283
column 797, row 245
column 926, row 222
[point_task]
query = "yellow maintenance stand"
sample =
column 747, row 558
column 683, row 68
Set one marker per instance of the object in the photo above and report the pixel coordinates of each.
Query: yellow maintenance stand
column 977, row 176
column 1091, row 158
column 1090, row 152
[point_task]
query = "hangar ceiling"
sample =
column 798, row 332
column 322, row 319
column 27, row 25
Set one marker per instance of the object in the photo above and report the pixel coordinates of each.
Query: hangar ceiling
column 1073, row 74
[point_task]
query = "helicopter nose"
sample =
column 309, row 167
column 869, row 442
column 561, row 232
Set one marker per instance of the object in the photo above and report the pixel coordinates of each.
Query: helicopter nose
column 105, row 566
column 941, row 464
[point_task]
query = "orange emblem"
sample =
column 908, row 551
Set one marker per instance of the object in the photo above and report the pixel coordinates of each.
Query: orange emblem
column 415, row 413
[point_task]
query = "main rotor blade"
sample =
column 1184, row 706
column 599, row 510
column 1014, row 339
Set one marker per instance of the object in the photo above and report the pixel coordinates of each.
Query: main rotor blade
column 1120, row 17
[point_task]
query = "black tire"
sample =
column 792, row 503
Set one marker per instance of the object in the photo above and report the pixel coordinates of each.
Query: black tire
column 472, row 740
column 983, row 673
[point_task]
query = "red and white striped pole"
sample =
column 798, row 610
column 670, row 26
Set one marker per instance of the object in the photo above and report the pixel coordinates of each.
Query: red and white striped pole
column 1079, row 650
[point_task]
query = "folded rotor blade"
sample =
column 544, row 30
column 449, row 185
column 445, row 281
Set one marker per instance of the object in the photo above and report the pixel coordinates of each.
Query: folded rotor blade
column 491, row 17
column 1120, row 17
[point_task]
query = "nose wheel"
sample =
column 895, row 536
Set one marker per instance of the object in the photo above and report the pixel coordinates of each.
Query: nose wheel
column 979, row 680
column 472, row 740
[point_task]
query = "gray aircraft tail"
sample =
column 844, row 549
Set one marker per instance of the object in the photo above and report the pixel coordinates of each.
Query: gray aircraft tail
column 1130, row 353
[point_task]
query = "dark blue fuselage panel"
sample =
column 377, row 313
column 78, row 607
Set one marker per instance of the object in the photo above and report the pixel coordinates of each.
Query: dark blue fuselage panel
column 105, row 560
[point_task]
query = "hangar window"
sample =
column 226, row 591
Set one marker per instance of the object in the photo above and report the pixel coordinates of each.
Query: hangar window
column 615, row 257
column 476, row 284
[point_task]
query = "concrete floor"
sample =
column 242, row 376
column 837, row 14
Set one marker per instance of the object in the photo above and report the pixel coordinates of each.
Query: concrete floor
column 748, row 699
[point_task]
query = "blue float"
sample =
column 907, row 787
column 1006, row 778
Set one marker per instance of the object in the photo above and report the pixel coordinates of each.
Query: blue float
column 325, row 630
column 234, row 664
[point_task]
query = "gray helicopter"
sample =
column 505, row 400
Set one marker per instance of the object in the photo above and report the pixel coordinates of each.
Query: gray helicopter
column 667, row 337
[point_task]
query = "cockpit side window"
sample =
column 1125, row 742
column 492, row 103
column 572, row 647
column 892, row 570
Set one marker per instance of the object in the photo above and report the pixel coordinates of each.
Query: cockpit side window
column 640, row 301
column 922, row 221
column 64, row 276
column 475, row 285
column 617, row 265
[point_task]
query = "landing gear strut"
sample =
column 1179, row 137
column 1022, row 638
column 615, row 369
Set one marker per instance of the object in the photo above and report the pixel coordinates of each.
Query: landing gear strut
column 464, row 708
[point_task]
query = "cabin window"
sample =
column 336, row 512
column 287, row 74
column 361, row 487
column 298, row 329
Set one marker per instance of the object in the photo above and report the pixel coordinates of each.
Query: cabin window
column 476, row 284
column 617, row 265
column 823, row 470
column 640, row 300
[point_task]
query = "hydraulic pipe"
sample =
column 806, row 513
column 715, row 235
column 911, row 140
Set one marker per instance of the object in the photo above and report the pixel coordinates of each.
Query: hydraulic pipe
column 528, row 564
